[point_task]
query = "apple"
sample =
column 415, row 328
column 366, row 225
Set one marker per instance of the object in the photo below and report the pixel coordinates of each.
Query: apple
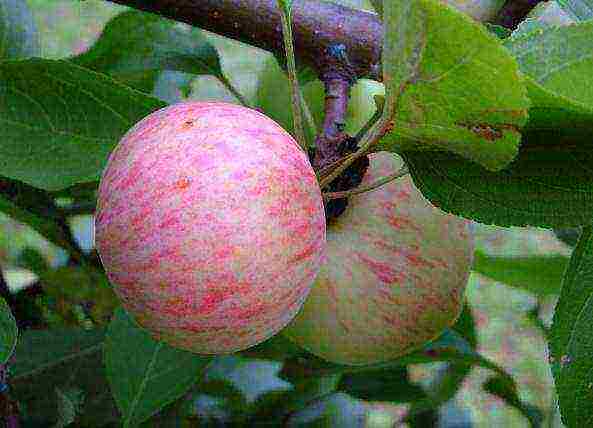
column 394, row 277
column 210, row 225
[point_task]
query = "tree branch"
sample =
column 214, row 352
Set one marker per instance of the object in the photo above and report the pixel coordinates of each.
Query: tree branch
column 317, row 26
column 333, row 137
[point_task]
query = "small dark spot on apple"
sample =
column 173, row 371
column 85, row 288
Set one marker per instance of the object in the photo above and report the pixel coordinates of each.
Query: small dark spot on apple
column 187, row 124
column 182, row 183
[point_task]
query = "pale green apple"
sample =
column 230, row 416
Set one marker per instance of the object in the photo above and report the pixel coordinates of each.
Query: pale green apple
column 394, row 277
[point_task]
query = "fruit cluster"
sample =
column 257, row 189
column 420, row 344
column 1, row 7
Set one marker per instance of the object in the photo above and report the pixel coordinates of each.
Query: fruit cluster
column 210, row 224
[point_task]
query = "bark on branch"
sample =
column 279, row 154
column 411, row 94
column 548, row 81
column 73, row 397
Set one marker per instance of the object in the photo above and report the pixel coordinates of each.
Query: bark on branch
column 332, row 137
column 317, row 26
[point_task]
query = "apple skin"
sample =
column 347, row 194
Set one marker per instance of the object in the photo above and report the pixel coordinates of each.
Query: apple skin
column 210, row 225
column 394, row 278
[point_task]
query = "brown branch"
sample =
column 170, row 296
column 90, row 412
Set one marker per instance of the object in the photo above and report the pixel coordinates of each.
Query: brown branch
column 317, row 26
column 332, row 138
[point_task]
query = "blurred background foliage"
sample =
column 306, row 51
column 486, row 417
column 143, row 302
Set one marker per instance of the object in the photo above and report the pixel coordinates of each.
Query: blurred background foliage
column 509, row 320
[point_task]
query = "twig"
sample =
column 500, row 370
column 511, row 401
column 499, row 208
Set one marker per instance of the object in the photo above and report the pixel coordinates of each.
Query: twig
column 332, row 136
column 363, row 189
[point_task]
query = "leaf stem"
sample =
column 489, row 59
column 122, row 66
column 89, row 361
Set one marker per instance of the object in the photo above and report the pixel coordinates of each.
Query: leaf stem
column 292, row 74
column 309, row 117
column 229, row 86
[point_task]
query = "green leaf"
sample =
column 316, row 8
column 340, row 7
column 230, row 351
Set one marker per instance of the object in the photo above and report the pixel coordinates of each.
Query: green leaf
column 278, row 348
column 449, row 347
column 580, row 10
column 70, row 402
column 146, row 375
column 134, row 46
column 70, row 286
column 555, row 122
column 541, row 275
column 465, row 326
column 31, row 259
column 8, row 332
column 335, row 410
column 172, row 86
column 65, row 359
column 45, row 226
column 559, row 59
column 40, row 350
column 18, row 32
column 59, row 122
column 31, row 199
column 571, row 337
column 404, row 43
column 33, row 207
column 545, row 188
column 378, row 6
column 553, row 108
column 391, row 384
column 307, row 391
column 450, row 378
column 447, row 103
column 71, row 283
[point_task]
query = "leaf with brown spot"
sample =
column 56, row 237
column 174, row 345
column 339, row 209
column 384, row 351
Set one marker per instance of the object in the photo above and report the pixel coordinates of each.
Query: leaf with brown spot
column 461, row 74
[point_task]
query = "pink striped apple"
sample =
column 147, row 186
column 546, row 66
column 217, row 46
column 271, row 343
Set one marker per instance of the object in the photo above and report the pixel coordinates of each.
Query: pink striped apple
column 210, row 225
column 394, row 278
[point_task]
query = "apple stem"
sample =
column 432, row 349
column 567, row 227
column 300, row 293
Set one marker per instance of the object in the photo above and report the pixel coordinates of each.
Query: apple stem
column 363, row 189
